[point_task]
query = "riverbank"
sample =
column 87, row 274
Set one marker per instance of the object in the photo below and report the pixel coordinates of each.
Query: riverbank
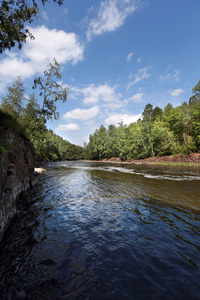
column 190, row 159
column 17, row 162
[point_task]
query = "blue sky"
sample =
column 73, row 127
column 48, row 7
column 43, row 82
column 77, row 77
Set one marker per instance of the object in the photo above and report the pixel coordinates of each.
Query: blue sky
column 116, row 56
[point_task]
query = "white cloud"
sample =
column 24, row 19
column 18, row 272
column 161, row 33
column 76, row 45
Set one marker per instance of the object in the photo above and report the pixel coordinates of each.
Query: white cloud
column 137, row 97
column 129, row 56
column 176, row 75
column 82, row 114
column 139, row 60
column 140, row 75
column 115, row 118
column 170, row 77
column 90, row 9
column 36, row 54
column 93, row 94
column 11, row 67
column 45, row 15
column 165, row 77
column 68, row 127
column 111, row 15
column 115, row 105
column 53, row 43
column 176, row 92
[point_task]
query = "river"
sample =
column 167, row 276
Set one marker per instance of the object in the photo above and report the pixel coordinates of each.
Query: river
column 105, row 231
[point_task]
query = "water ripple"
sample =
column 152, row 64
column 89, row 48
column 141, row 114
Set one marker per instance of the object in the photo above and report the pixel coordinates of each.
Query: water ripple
column 105, row 233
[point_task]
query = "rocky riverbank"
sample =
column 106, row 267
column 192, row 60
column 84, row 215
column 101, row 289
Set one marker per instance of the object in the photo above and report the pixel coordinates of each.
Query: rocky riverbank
column 193, row 158
column 16, row 173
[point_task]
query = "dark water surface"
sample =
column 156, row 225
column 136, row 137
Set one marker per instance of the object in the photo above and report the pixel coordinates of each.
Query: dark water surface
column 105, row 231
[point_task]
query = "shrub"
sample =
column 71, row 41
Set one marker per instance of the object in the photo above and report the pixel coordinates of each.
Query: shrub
column 8, row 120
column 2, row 150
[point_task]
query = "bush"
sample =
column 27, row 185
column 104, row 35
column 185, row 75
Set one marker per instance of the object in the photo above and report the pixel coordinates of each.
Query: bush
column 2, row 150
column 9, row 121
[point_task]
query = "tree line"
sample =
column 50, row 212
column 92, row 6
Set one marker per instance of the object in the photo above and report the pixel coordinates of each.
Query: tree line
column 171, row 131
column 159, row 132
column 27, row 118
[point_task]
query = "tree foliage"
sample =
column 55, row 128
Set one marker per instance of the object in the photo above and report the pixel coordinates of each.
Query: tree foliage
column 12, row 103
column 174, row 130
column 50, row 90
column 196, row 91
column 15, row 15
column 24, row 116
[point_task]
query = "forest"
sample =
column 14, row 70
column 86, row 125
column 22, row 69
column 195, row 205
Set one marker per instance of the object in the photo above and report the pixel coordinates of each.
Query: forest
column 25, row 117
column 173, row 130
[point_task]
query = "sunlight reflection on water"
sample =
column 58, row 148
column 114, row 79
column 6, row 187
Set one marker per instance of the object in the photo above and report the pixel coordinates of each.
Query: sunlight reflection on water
column 107, row 232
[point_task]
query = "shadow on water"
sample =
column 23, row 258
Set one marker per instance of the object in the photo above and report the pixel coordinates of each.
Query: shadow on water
column 94, row 231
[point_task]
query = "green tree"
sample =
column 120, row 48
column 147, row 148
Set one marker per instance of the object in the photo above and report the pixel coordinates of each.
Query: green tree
column 31, row 117
column 188, row 143
column 178, row 120
column 13, row 102
column 100, row 142
column 135, row 141
column 122, row 139
column 14, row 17
column 148, row 142
column 195, row 124
column 157, row 113
column 112, row 149
column 51, row 92
column 164, row 139
column 196, row 91
column 91, row 147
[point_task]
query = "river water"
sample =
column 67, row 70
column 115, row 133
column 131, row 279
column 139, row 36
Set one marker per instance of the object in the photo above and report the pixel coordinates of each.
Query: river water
column 105, row 231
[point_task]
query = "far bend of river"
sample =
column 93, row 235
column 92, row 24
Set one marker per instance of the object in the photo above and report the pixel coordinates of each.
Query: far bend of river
column 105, row 231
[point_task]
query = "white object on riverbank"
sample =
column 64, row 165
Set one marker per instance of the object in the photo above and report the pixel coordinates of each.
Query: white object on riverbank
column 40, row 170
